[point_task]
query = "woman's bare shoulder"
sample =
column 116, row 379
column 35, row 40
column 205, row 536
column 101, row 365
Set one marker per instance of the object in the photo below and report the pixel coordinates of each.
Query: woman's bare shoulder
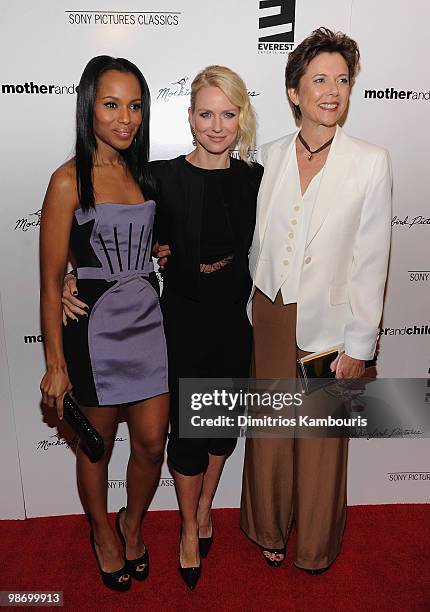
column 65, row 175
column 62, row 185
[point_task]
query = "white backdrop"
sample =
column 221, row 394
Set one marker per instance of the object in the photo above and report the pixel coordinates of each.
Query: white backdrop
column 12, row 500
column 47, row 43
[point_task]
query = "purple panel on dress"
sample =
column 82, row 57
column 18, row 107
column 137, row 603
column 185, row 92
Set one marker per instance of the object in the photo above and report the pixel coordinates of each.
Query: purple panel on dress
column 125, row 332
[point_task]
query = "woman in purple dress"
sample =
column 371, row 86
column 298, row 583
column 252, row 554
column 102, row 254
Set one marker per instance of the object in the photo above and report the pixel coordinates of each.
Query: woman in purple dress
column 96, row 206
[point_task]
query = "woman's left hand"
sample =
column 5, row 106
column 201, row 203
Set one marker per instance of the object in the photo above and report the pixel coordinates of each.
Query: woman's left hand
column 347, row 367
column 161, row 252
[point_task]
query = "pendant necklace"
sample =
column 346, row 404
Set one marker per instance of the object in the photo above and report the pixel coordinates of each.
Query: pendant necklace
column 307, row 147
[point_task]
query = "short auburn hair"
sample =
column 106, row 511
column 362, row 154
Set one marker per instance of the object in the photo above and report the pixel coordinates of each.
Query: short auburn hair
column 321, row 40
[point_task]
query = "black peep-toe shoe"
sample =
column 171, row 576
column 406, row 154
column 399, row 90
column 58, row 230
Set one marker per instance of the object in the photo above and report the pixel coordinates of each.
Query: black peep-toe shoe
column 190, row 575
column 205, row 544
column 117, row 581
column 134, row 566
column 276, row 551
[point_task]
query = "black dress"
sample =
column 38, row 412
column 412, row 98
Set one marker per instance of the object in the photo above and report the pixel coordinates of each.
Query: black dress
column 205, row 216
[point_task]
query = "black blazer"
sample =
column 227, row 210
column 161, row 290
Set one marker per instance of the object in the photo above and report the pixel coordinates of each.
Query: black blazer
column 179, row 198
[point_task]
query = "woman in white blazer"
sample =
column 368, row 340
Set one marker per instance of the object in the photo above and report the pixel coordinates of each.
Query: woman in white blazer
column 319, row 263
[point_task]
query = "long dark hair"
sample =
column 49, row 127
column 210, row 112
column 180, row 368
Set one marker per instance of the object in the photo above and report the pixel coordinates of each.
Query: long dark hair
column 136, row 156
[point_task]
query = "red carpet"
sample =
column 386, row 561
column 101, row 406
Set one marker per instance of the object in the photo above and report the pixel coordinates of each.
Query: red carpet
column 384, row 566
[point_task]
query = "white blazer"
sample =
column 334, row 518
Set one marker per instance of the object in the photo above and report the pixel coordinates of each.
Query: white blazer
column 344, row 268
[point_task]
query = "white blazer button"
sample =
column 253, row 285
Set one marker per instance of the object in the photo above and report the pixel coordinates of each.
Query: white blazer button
column 291, row 235
column 308, row 259
column 294, row 222
column 289, row 249
column 296, row 207
column 286, row 262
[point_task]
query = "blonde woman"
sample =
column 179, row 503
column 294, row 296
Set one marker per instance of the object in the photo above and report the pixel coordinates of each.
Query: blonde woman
column 206, row 215
column 205, row 219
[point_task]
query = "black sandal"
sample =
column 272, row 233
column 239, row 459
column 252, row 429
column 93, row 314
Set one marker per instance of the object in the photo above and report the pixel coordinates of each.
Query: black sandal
column 275, row 551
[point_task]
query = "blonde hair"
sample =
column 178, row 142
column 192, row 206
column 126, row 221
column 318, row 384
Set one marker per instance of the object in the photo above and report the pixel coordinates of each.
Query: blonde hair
column 235, row 89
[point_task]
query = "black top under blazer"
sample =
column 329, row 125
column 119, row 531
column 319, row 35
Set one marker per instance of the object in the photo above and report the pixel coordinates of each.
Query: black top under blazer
column 179, row 197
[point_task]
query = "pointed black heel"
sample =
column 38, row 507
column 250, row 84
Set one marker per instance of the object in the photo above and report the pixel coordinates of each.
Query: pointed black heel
column 314, row 572
column 275, row 551
column 205, row 544
column 190, row 575
column 133, row 565
column 117, row 581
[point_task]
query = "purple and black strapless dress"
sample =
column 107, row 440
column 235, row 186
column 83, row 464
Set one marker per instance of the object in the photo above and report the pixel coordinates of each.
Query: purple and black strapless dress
column 118, row 353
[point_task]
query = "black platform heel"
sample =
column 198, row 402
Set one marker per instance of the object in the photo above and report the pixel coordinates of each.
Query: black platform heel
column 205, row 544
column 276, row 551
column 117, row 581
column 190, row 575
column 133, row 565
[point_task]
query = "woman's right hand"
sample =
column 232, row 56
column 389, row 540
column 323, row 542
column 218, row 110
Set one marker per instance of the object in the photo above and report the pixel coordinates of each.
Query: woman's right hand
column 54, row 385
column 71, row 305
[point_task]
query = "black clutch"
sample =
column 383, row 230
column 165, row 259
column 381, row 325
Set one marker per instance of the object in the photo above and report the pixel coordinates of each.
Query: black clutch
column 314, row 370
column 315, row 373
column 90, row 440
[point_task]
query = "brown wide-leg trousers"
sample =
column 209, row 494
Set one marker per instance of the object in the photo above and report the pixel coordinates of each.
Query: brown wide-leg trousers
column 286, row 480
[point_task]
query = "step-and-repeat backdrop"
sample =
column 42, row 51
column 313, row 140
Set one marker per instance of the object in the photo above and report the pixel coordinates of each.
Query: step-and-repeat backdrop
column 45, row 46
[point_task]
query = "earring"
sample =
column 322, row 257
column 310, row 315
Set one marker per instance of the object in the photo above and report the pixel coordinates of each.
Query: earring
column 194, row 138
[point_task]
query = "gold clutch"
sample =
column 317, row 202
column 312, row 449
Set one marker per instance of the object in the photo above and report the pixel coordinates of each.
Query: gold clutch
column 314, row 369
